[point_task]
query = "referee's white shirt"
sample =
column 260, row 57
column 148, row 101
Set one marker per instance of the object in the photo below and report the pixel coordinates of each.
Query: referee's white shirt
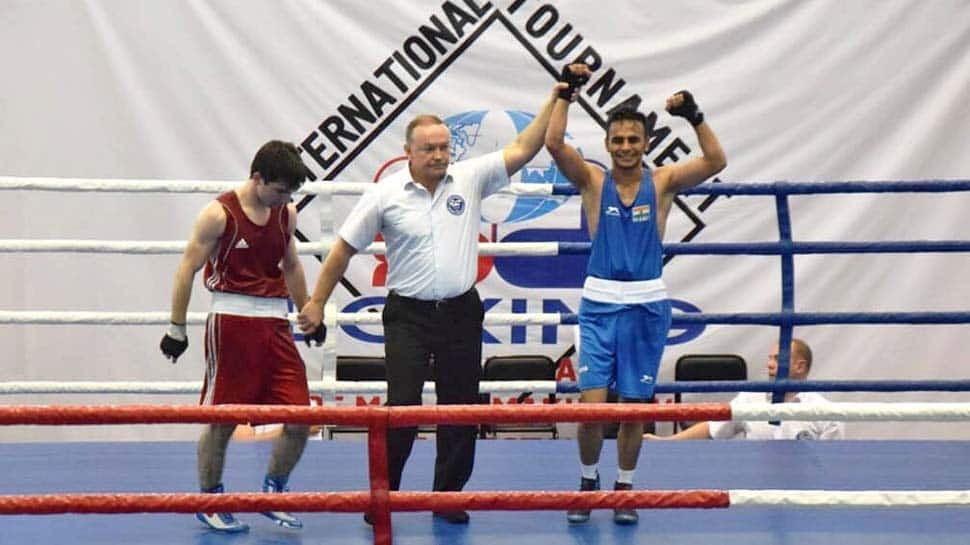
column 432, row 240
column 788, row 429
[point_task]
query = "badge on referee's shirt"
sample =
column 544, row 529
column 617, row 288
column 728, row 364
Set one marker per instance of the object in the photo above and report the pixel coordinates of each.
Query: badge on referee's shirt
column 456, row 204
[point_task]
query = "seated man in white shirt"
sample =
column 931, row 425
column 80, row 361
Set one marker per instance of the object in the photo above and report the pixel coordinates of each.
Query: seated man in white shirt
column 801, row 364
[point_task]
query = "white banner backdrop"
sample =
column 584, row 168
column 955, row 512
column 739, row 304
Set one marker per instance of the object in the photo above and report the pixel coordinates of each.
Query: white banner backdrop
column 808, row 91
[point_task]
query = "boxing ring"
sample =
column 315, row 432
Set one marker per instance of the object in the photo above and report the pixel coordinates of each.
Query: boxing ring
column 723, row 492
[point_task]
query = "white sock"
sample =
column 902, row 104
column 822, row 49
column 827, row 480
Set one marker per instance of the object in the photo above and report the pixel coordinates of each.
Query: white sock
column 624, row 476
column 589, row 472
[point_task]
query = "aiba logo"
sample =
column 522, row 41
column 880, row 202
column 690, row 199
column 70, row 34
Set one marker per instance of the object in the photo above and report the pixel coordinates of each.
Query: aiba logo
column 456, row 204
column 479, row 132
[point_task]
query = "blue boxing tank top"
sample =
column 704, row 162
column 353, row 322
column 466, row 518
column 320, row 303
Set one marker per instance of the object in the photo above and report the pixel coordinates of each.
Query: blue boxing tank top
column 627, row 245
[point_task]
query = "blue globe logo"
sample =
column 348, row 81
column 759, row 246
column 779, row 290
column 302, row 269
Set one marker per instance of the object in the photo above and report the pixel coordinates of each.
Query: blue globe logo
column 479, row 132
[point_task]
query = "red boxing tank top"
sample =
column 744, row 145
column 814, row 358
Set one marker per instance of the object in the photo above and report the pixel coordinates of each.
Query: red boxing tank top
column 247, row 259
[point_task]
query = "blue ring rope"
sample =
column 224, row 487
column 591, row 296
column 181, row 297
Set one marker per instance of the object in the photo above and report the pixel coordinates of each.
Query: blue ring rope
column 786, row 249
column 811, row 188
column 781, row 386
column 827, row 188
column 797, row 248
column 809, row 318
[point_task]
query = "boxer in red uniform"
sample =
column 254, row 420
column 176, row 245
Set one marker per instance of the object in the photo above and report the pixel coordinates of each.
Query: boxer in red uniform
column 245, row 241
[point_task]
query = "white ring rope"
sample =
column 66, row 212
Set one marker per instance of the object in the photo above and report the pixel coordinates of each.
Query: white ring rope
column 538, row 387
column 804, row 412
column 845, row 498
column 57, row 317
column 329, row 385
column 868, row 412
column 166, row 247
column 799, row 411
column 202, row 186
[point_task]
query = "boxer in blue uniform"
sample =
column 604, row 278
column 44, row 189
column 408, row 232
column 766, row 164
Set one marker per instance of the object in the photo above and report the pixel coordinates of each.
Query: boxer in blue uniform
column 624, row 315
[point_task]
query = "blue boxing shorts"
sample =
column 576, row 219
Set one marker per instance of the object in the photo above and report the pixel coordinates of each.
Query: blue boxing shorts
column 621, row 345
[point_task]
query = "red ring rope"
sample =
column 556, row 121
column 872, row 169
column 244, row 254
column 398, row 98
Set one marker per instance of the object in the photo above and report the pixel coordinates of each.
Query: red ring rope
column 359, row 416
column 356, row 502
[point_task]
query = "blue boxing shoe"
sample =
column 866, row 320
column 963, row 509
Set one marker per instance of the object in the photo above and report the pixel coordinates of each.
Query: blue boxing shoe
column 221, row 522
column 281, row 518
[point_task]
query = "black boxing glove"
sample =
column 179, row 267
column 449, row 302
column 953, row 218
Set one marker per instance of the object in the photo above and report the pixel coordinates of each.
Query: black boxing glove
column 688, row 109
column 318, row 336
column 175, row 342
column 574, row 80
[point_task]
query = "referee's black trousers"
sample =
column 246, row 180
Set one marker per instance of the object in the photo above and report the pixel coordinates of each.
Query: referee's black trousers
column 449, row 334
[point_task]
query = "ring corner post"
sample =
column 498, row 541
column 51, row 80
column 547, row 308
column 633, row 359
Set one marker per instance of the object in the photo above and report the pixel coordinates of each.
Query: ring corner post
column 380, row 505
column 787, row 291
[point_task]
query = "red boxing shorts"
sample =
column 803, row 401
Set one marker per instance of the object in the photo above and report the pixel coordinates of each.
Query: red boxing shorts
column 252, row 360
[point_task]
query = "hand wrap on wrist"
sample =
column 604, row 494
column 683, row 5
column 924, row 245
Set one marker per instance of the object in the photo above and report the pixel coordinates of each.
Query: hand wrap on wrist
column 575, row 81
column 318, row 336
column 175, row 342
column 688, row 109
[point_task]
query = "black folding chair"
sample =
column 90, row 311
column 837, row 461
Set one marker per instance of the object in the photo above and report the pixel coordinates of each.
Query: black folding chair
column 701, row 367
column 518, row 368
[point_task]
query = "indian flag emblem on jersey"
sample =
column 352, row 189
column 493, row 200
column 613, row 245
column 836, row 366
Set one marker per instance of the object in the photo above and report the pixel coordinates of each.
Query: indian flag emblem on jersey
column 641, row 213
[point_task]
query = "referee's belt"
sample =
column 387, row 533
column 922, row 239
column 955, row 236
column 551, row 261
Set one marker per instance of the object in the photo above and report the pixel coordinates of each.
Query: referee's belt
column 435, row 304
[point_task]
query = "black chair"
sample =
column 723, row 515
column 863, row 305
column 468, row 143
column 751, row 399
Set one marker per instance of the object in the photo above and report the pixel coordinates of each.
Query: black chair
column 361, row 368
column 519, row 368
column 366, row 368
column 700, row 367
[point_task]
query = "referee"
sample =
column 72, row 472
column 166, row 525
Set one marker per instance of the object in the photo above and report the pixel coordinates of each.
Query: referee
column 429, row 215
